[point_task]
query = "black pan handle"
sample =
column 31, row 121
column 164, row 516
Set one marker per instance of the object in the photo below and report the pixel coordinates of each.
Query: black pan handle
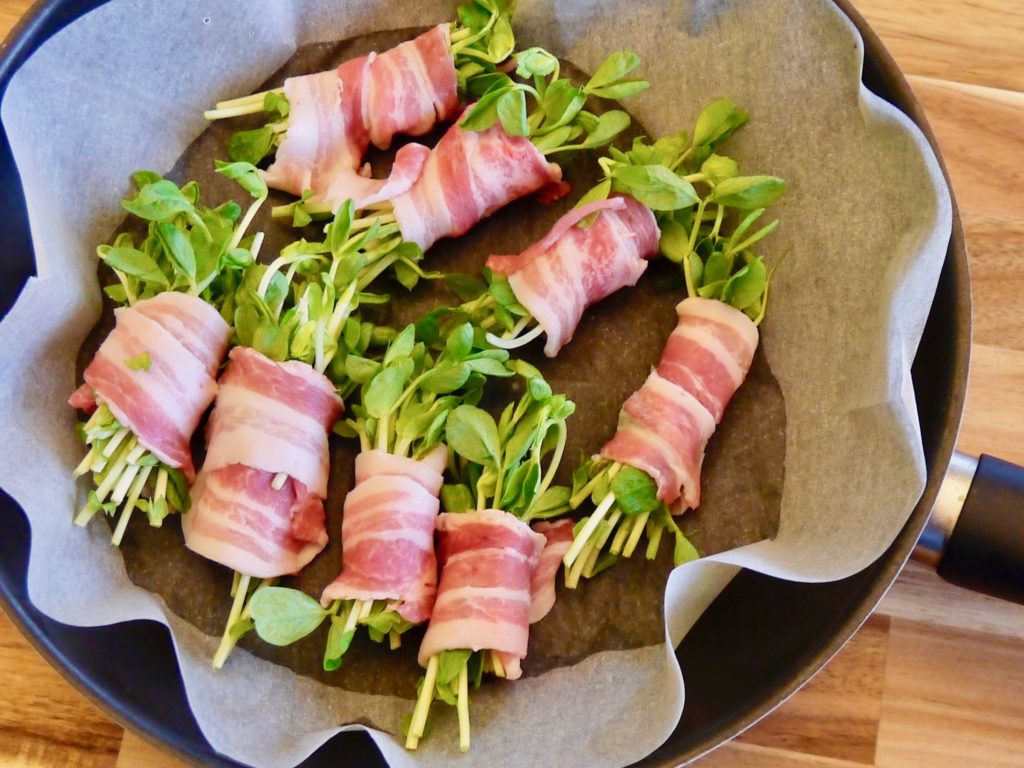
column 975, row 537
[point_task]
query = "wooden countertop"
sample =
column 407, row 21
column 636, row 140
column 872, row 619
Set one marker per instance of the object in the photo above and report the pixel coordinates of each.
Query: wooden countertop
column 935, row 676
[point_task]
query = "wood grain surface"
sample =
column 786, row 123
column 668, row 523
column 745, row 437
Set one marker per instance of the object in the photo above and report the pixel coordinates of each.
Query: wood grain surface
column 935, row 677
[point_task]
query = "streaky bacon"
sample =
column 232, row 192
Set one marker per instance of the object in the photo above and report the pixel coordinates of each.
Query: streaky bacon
column 468, row 176
column 273, row 416
column 326, row 138
column 270, row 419
column 161, row 404
column 665, row 425
column 488, row 558
column 241, row 521
column 574, row 266
column 196, row 324
column 542, row 587
column 83, row 398
column 410, row 87
column 709, row 352
column 387, row 533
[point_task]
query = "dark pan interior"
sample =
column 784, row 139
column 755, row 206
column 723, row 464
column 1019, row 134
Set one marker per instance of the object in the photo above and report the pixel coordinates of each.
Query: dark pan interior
column 731, row 682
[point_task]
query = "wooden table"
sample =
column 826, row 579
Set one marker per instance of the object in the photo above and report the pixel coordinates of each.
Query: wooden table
column 936, row 677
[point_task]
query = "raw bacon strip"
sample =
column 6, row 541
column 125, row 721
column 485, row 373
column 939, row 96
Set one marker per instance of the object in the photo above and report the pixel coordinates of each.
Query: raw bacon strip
column 709, row 352
column 408, row 167
column 665, row 425
column 274, row 417
column 663, row 431
column 542, row 587
column 196, row 324
column 467, row 177
column 326, row 138
column 161, row 405
column 387, row 533
column 410, row 87
column 240, row 520
column 487, row 563
column 572, row 267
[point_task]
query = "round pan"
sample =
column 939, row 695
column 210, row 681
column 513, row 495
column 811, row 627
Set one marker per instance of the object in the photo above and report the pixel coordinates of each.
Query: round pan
column 760, row 640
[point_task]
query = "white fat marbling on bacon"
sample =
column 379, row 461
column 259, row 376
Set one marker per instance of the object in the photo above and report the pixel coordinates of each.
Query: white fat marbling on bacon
column 663, row 431
column 574, row 266
column 238, row 519
column 274, row 417
column 326, row 138
column 185, row 340
column 410, row 87
column 709, row 352
column 387, row 533
column 488, row 559
column 665, row 425
column 468, row 176
column 270, row 418
column 542, row 587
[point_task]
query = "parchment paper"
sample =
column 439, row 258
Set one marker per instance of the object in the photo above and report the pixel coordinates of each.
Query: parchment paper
column 866, row 222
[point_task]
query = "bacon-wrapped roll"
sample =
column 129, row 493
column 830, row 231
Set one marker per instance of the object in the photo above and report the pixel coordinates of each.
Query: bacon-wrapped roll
column 572, row 266
column 326, row 137
column 160, row 399
column 665, row 425
column 410, row 87
column 257, row 505
column 483, row 602
column 468, row 176
column 387, row 533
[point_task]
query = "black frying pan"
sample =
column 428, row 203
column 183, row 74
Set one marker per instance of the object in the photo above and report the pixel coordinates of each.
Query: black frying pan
column 129, row 669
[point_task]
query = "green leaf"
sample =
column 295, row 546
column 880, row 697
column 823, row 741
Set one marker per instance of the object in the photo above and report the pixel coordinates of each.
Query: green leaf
column 276, row 102
column 502, row 292
column 635, row 491
column 512, row 113
column 620, row 90
column 747, row 192
column 338, row 641
column 718, row 168
column 450, row 664
column 386, row 622
column 133, row 262
column 340, row 227
column 284, row 616
column 466, row 287
column 613, row 69
column 711, row 290
column 655, row 186
column 459, row 343
column 553, row 502
column 446, row 378
column 696, row 270
column 384, row 389
column 488, row 366
column 674, row 241
column 683, row 551
column 360, row 369
column 562, row 101
column 484, row 113
column 502, row 40
column 158, row 201
column 142, row 178
column 246, row 175
column 472, row 433
column 744, row 289
column 401, row 346
column 717, row 122
column 140, row 362
column 250, row 146
column 535, row 62
column 178, row 248
column 177, row 489
column 609, row 125
column 456, row 498
column 599, row 192
column 717, row 267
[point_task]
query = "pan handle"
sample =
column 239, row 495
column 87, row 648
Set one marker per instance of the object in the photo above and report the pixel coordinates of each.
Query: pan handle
column 975, row 536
